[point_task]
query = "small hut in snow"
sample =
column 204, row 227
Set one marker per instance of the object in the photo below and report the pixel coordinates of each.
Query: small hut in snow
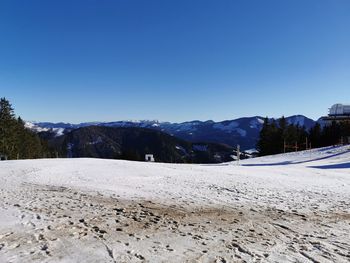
column 149, row 158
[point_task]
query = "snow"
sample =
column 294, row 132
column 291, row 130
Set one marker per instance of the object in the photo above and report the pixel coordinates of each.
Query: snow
column 285, row 208
column 187, row 126
column 180, row 148
column 200, row 147
column 58, row 131
column 256, row 123
column 34, row 127
column 298, row 119
column 241, row 132
column 251, row 151
column 229, row 127
column 97, row 141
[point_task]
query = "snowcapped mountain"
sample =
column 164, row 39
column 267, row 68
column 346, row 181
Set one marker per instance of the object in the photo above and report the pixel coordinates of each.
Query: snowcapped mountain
column 59, row 131
column 242, row 131
column 301, row 121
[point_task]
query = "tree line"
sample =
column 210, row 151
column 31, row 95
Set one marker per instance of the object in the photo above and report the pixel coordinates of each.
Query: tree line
column 16, row 141
column 279, row 136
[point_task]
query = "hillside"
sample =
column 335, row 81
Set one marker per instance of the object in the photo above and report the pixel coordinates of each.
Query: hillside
column 286, row 208
column 133, row 143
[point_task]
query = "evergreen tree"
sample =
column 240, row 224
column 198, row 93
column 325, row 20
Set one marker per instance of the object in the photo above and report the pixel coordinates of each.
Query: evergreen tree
column 282, row 131
column 274, row 135
column 315, row 135
column 263, row 143
column 331, row 134
column 274, row 138
column 345, row 131
column 8, row 125
column 15, row 140
column 269, row 141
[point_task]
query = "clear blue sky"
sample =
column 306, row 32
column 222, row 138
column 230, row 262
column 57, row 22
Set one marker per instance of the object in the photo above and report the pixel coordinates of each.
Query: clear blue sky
column 173, row 60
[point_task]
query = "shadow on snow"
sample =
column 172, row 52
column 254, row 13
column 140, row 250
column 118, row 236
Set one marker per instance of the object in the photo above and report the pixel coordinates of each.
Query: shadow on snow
column 333, row 166
column 346, row 165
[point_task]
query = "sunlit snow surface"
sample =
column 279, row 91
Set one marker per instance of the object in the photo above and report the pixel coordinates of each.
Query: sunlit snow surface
column 283, row 208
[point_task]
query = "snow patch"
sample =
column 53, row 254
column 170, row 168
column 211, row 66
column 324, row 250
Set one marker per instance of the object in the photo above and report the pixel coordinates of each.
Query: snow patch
column 34, row 127
column 97, row 141
column 226, row 127
column 200, row 147
column 256, row 123
column 297, row 120
column 58, row 131
column 241, row 132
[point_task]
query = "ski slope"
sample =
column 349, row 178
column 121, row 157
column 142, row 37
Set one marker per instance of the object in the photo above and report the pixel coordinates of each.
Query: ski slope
column 285, row 208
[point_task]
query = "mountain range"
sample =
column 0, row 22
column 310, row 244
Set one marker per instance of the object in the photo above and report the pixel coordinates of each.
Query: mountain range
column 242, row 131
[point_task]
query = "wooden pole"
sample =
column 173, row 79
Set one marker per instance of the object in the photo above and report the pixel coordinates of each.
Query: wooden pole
column 310, row 150
column 306, row 143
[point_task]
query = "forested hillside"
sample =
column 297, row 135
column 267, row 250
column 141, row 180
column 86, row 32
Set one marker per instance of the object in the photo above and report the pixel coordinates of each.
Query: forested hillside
column 133, row 143
column 17, row 142
column 279, row 136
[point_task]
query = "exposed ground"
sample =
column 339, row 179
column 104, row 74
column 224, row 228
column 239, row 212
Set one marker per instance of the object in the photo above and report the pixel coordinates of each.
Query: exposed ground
column 288, row 208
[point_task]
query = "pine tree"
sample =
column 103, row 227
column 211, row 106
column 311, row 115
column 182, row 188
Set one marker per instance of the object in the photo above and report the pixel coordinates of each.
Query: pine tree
column 330, row 134
column 263, row 144
column 8, row 140
column 345, row 131
column 269, row 140
column 15, row 140
column 315, row 135
column 282, row 132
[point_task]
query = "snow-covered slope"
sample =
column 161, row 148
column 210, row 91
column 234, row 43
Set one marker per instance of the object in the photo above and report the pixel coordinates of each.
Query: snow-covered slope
column 285, row 208
column 59, row 131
